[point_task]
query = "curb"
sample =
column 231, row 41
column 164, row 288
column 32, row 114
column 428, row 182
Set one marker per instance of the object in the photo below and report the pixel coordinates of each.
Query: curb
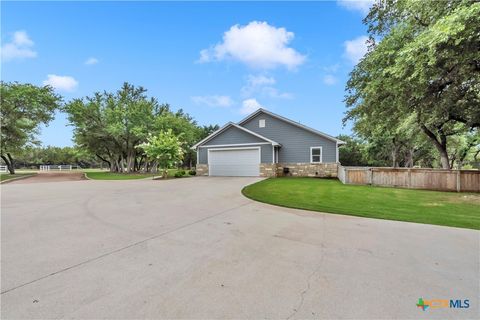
column 18, row 178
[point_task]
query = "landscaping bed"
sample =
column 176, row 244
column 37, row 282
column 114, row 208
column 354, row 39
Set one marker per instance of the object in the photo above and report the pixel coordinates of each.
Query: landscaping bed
column 330, row 195
column 106, row 175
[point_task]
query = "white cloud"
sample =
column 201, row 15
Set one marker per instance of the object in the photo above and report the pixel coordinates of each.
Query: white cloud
column 260, row 80
column 258, row 45
column 249, row 106
column 274, row 93
column 213, row 101
column 91, row 61
column 19, row 48
column 62, row 83
column 355, row 49
column 329, row 80
column 332, row 68
column 264, row 85
column 363, row 6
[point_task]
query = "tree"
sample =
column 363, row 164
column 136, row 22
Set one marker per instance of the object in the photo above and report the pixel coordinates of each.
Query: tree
column 112, row 125
column 426, row 66
column 353, row 152
column 164, row 150
column 24, row 107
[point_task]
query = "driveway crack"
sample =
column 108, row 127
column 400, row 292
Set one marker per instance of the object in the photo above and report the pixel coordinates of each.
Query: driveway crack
column 309, row 278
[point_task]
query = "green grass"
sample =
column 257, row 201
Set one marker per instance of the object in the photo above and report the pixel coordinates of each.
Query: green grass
column 116, row 176
column 105, row 175
column 7, row 176
column 329, row 195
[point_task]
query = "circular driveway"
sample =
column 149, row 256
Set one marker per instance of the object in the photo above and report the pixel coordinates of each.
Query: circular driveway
column 196, row 248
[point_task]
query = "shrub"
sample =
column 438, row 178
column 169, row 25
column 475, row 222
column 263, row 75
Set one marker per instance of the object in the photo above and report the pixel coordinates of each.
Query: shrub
column 181, row 171
column 192, row 172
column 178, row 174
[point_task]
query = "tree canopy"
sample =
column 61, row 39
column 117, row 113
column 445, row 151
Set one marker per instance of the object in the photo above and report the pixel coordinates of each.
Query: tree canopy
column 113, row 125
column 421, row 74
column 164, row 150
column 24, row 108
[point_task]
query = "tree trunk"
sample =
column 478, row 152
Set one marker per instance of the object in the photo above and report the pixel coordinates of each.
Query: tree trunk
column 440, row 145
column 104, row 160
column 394, row 157
column 9, row 163
column 122, row 164
column 409, row 158
column 444, row 158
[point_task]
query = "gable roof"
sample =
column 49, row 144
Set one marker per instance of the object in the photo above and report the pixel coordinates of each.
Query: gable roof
column 324, row 135
column 231, row 124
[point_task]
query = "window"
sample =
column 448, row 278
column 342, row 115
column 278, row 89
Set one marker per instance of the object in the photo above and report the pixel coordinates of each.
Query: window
column 261, row 123
column 316, row 154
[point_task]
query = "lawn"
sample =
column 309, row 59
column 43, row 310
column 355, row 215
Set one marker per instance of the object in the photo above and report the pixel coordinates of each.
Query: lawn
column 329, row 195
column 7, row 176
column 106, row 175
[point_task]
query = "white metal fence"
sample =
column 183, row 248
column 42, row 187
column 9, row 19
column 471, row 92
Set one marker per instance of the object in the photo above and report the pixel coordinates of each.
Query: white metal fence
column 59, row 167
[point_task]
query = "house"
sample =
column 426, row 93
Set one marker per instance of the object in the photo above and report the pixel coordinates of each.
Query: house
column 267, row 145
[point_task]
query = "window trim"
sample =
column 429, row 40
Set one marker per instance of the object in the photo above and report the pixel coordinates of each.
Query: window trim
column 260, row 121
column 321, row 154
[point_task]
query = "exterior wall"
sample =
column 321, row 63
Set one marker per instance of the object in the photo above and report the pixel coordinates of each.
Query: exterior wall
column 321, row 170
column 265, row 152
column 295, row 141
column 202, row 170
column 268, row 170
column 234, row 135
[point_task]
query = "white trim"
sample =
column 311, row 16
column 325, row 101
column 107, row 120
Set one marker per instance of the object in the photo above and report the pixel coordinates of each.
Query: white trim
column 291, row 122
column 273, row 154
column 226, row 126
column 261, row 123
column 198, row 156
column 238, row 148
column 234, row 144
column 321, row 154
column 336, row 153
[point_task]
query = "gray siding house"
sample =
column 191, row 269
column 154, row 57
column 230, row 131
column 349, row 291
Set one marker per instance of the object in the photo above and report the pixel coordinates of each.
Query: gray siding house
column 266, row 144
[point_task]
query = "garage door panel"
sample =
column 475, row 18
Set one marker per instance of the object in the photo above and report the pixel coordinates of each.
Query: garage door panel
column 235, row 162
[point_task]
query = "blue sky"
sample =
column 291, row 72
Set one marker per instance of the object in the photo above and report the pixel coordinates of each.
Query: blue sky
column 216, row 60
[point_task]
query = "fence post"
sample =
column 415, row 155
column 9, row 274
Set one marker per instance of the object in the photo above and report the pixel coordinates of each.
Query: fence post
column 370, row 176
column 458, row 181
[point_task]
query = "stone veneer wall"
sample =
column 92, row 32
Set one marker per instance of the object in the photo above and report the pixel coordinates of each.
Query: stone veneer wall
column 268, row 170
column 322, row 170
column 202, row 169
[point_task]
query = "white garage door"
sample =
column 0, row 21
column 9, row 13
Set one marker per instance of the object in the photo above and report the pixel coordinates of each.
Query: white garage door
column 234, row 162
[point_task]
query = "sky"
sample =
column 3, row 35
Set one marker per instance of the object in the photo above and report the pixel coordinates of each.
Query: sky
column 218, row 61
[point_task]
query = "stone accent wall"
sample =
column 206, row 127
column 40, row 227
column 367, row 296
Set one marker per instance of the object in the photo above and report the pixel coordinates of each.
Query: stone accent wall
column 202, row 169
column 268, row 170
column 321, row 170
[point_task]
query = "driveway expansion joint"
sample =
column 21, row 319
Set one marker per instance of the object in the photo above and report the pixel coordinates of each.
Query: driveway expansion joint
column 126, row 247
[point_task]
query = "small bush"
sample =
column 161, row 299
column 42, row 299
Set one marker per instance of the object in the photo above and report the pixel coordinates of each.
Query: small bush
column 178, row 174
column 192, row 172
column 181, row 171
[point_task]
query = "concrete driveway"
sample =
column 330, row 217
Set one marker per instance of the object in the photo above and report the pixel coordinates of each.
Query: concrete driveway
column 196, row 248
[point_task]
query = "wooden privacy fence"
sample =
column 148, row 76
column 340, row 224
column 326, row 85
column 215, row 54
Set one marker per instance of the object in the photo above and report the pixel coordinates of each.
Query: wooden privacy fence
column 430, row 179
